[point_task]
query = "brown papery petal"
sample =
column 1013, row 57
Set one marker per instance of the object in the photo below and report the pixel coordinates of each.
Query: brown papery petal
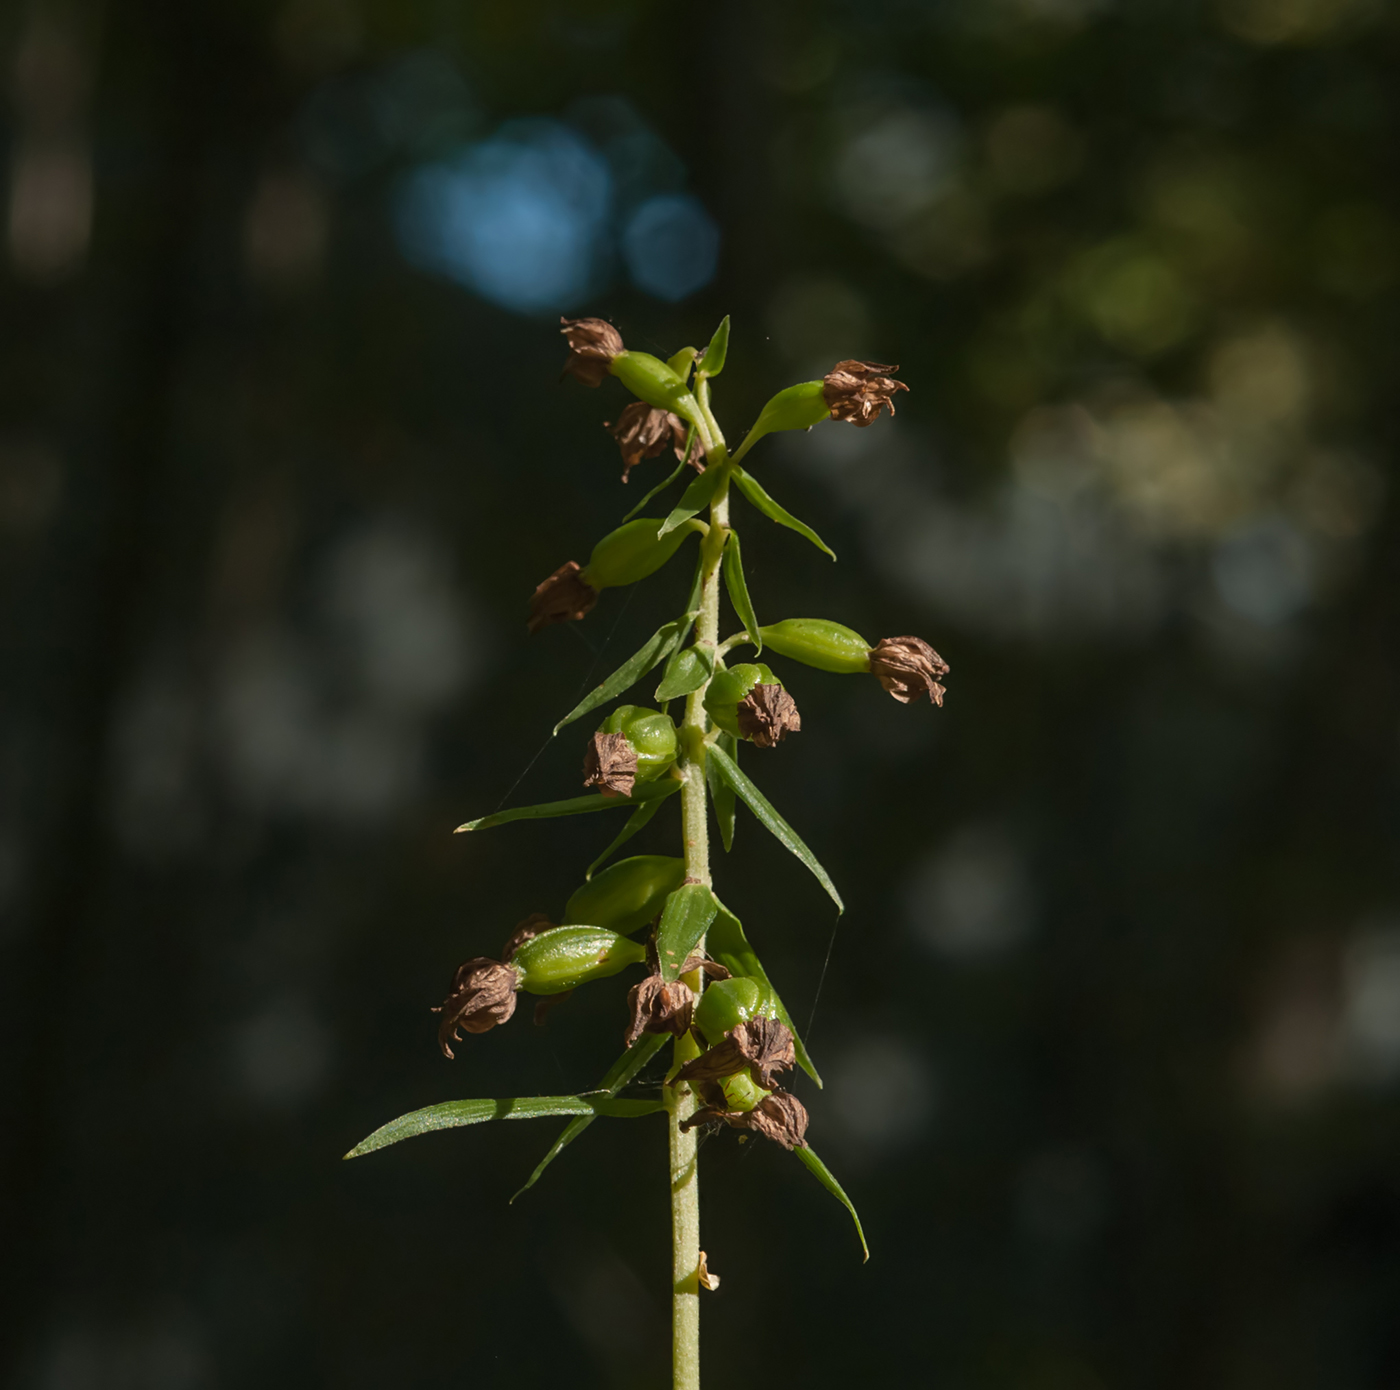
column 563, row 597
column 858, row 391
column 610, row 763
column 593, row 343
column 659, row 1006
column 767, row 715
column 908, row 668
column 482, row 996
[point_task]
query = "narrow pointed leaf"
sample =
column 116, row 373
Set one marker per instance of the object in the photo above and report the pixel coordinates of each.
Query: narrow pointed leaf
column 824, row 1176
column 759, row 804
column 661, row 487
column 619, row 1075
column 728, row 945
column 684, row 920
column 635, row 822
column 453, row 1113
column 685, row 671
column 653, row 652
column 749, row 486
column 574, row 806
column 721, row 793
column 713, row 362
column 739, row 590
column 695, row 499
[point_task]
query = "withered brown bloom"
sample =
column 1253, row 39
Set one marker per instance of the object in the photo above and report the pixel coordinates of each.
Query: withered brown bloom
column 610, row 764
column 533, row 925
column 593, row 343
column 780, row 1117
column 908, row 667
column 643, row 431
column 659, row 1006
column 859, row 391
column 482, row 995
column 767, row 715
column 564, row 596
column 760, row 1046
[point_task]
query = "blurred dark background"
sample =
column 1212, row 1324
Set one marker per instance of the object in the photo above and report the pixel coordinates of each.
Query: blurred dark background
column 1111, row 1031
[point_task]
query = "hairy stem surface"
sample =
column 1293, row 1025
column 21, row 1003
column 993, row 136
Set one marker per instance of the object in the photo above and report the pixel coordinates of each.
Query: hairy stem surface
column 685, row 1184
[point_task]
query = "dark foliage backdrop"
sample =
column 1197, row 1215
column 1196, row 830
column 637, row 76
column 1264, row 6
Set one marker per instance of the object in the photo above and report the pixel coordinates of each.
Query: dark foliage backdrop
column 1112, row 1027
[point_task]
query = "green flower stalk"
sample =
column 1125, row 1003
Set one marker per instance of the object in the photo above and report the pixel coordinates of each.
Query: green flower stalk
column 702, row 991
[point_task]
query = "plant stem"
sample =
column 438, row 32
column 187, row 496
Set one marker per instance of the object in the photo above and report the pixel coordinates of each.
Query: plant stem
column 685, row 1185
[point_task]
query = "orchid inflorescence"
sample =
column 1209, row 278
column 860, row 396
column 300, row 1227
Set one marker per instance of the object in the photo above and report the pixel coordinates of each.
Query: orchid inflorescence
column 704, row 989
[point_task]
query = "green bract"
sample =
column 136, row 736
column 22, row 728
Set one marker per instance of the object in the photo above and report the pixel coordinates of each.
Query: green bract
column 651, row 733
column 562, row 959
column 728, row 1003
column 821, row 643
column 727, row 688
column 654, row 381
column 632, row 552
column 628, row 895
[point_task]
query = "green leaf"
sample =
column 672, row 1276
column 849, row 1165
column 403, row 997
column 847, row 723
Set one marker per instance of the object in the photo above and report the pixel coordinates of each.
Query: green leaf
column 771, row 820
column 453, row 1113
column 728, row 945
column 808, row 1155
column 713, row 361
column 684, row 920
column 721, row 793
column 687, row 670
column 619, row 1075
column 653, row 652
column 739, row 590
column 695, row 499
column 661, row 487
column 749, row 486
column 635, row 822
column 574, row 806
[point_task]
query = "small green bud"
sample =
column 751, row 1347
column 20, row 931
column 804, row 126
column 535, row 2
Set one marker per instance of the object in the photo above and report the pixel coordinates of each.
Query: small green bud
column 728, row 689
column 628, row 894
column 740, row 1091
column 655, row 382
column 631, row 553
column 796, row 408
column 817, row 642
column 562, row 959
column 651, row 734
column 728, row 1003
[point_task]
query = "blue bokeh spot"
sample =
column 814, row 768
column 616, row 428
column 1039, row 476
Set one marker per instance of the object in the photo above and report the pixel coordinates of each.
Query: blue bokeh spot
column 671, row 246
column 520, row 218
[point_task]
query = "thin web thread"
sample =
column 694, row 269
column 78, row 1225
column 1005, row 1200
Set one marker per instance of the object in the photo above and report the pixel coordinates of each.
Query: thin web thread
column 583, row 685
column 821, row 980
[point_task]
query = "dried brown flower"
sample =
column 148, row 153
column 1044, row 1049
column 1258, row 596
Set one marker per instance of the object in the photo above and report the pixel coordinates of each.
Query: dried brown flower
column 611, row 764
column 780, row 1117
column 643, row 431
column 859, row 391
column 760, row 1046
column 564, row 596
column 533, row 925
column 908, row 667
column 593, row 343
column 482, row 995
column 767, row 715
column 659, row 1006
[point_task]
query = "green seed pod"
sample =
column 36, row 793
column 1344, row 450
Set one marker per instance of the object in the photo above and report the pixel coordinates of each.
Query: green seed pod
column 740, row 1091
column 628, row 894
column 727, row 688
column 654, row 381
column 728, row 1003
column 631, row 553
column 797, row 408
column 651, row 733
column 562, row 959
column 817, row 642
